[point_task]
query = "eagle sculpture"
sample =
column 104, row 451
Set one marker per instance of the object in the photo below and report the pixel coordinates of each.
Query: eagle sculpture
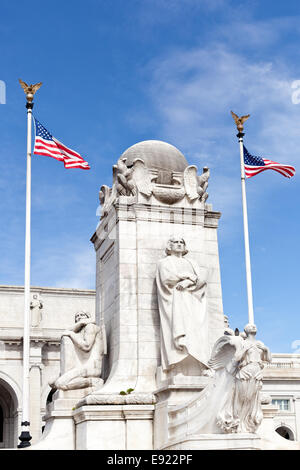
column 30, row 90
column 239, row 121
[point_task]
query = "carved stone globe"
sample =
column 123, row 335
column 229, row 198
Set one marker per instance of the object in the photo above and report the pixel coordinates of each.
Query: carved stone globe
column 156, row 154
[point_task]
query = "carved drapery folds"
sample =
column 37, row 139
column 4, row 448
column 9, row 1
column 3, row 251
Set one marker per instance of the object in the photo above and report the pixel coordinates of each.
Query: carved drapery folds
column 181, row 293
column 231, row 402
column 238, row 362
column 166, row 186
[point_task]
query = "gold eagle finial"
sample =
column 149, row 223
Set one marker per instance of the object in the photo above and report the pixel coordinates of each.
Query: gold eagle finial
column 30, row 90
column 239, row 121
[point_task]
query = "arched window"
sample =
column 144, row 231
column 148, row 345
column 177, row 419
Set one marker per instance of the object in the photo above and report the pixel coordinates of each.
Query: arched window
column 8, row 415
column 285, row 432
column 1, row 424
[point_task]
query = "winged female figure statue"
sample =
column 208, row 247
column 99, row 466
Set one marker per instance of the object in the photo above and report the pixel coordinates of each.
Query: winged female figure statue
column 238, row 362
column 231, row 402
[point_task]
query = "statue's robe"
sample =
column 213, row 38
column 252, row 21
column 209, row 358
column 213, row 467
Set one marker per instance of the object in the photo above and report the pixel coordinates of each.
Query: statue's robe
column 182, row 312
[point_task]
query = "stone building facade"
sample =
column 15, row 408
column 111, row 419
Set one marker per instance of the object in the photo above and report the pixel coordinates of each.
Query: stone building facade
column 281, row 377
column 53, row 311
column 282, row 384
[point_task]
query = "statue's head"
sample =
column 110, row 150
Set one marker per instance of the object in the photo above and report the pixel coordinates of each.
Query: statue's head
column 176, row 244
column 250, row 329
column 228, row 332
column 82, row 315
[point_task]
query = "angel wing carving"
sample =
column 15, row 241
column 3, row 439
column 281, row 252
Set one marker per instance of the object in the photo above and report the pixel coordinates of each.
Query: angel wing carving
column 104, row 193
column 125, row 185
column 105, row 199
column 239, row 121
column 224, row 351
column 203, row 184
column 141, row 177
column 190, row 181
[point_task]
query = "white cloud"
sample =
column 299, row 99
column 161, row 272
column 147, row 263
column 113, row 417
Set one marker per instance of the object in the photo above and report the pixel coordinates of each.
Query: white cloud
column 192, row 91
column 80, row 270
column 71, row 265
column 258, row 33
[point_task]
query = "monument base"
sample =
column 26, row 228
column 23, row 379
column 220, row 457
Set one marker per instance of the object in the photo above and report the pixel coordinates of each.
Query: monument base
column 243, row 441
column 126, row 423
column 114, row 427
column 173, row 391
column 59, row 432
column 266, row 438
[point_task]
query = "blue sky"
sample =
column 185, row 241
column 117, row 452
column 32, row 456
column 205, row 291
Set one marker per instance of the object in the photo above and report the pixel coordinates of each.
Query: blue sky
column 116, row 72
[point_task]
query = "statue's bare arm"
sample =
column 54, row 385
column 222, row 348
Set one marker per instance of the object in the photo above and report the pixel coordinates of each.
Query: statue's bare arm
column 266, row 351
column 87, row 340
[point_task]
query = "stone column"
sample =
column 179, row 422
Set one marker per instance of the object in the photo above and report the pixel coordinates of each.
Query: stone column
column 35, row 390
column 297, row 416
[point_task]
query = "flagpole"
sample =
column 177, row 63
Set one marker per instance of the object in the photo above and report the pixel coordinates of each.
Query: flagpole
column 239, row 122
column 25, row 436
column 240, row 136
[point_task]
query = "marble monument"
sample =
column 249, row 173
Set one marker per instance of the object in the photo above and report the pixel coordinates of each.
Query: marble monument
column 174, row 375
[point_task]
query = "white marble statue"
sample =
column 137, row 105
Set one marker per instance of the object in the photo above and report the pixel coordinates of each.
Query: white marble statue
column 242, row 360
column 181, row 292
column 82, row 350
column 231, row 402
column 36, row 307
column 238, row 362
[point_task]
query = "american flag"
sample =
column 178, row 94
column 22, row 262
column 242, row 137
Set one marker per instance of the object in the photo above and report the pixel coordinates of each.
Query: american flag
column 46, row 144
column 255, row 165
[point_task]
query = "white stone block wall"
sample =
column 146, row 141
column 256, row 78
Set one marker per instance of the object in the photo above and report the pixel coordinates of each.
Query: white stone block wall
column 129, row 242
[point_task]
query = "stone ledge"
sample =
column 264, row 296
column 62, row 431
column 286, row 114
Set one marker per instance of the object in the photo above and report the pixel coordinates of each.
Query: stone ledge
column 116, row 399
column 285, row 374
column 243, row 441
column 113, row 413
column 48, row 290
column 11, row 334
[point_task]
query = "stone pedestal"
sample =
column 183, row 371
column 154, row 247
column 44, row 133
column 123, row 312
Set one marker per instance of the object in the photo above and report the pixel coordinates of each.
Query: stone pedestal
column 114, row 427
column 59, row 432
column 172, row 392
